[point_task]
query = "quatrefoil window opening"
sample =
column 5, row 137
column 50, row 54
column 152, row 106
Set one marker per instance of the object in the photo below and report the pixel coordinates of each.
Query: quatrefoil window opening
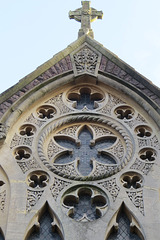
column 84, row 205
column 148, row 155
column 85, row 98
column 46, row 112
column 22, row 153
column 132, row 180
column 143, row 131
column 85, row 150
column 27, row 130
column 38, row 179
column 124, row 112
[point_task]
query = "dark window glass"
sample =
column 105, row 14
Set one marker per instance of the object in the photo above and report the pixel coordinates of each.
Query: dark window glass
column 45, row 231
column 123, row 232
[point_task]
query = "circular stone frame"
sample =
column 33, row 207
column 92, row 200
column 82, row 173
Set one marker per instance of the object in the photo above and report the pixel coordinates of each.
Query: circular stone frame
column 109, row 171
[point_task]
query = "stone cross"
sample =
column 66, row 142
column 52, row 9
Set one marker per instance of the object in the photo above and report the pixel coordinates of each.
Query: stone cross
column 85, row 15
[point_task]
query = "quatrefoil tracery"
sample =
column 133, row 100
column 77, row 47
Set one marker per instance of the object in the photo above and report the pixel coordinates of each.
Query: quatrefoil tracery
column 132, row 180
column 22, row 153
column 27, row 130
column 148, row 154
column 124, row 112
column 46, row 112
column 38, row 179
column 85, row 97
column 85, row 204
column 143, row 131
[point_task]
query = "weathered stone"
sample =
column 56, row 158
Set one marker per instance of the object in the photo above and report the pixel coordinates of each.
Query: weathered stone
column 110, row 66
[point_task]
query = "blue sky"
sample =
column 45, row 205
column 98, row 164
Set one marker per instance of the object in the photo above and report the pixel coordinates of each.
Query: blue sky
column 32, row 31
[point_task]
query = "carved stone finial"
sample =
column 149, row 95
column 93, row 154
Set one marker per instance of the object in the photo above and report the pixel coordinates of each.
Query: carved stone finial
column 85, row 15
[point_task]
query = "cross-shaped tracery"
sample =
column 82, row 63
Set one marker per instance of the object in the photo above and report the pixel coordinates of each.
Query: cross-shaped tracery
column 85, row 150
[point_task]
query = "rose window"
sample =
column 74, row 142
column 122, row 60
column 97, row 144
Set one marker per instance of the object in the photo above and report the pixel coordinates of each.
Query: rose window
column 85, row 151
column 89, row 150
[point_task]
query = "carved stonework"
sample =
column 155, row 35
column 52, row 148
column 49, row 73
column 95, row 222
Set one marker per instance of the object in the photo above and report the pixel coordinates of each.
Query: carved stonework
column 28, row 164
column 117, row 150
column 32, row 198
column 18, row 140
column 85, row 61
column 103, row 170
column 144, row 167
column 2, row 133
column 2, row 200
column 58, row 102
column 85, row 204
column 137, row 198
column 111, row 187
column 67, row 169
column 100, row 131
column 70, row 131
column 112, row 102
column 32, row 119
column 53, row 149
column 138, row 120
column 57, row 187
column 150, row 142
column 106, row 166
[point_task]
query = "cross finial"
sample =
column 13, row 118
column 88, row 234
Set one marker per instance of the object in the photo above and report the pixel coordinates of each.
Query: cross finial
column 85, row 15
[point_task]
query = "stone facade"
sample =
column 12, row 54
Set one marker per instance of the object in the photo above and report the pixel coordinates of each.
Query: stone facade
column 80, row 149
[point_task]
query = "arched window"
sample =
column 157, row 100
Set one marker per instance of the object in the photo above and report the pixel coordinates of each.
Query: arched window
column 46, row 229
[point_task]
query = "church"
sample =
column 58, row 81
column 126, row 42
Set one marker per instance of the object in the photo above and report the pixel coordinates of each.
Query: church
column 80, row 147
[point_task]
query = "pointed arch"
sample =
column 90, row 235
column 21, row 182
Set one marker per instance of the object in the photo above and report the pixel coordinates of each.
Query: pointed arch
column 44, row 224
column 124, row 225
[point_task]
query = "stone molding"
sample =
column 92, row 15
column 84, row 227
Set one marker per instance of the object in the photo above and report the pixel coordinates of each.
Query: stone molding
column 107, row 66
column 59, row 68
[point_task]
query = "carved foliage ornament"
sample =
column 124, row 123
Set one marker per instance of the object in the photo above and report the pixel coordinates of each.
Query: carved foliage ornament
column 86, row 60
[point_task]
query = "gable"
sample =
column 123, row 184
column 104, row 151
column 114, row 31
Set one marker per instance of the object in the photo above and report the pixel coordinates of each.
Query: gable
column 63, row 64
column 80, row 140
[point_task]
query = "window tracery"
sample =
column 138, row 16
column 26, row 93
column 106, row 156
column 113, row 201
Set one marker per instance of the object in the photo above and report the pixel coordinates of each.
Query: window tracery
column 123, row 232
column 38, row 179
column 85, row 151
column 143, row 131
column 85, row 97
column 46, row 229
column 132, row 180
column 27, row 130
column 124, row 226
column 76, row 137
column 85, row 203
column 124, row 112
column 46, row 112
